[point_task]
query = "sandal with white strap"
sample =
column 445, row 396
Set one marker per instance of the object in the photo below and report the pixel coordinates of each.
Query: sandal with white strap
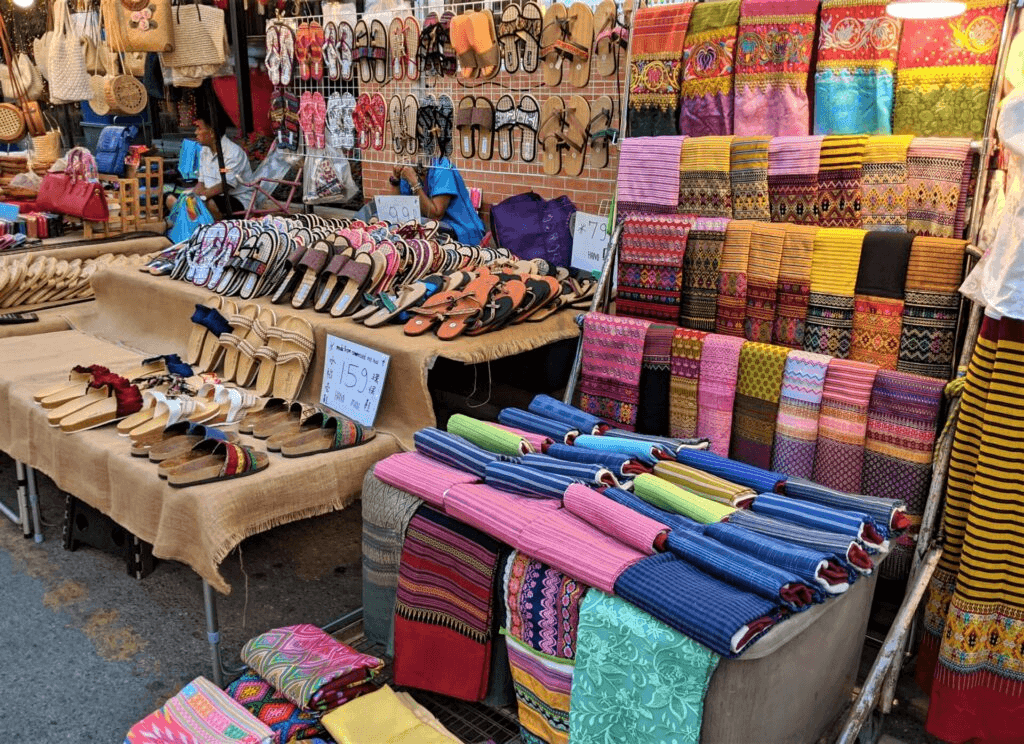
column 296, row 346
column 241, row 324
column 173, row 410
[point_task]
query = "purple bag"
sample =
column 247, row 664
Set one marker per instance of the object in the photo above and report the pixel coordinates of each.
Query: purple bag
column 532, row 227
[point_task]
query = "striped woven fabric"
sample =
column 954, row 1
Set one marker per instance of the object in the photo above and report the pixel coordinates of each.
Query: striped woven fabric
column 704, row 186
column 936, row 184
column 648, row 179
column 759, row 479
column 683, row 411
column 655, row 69
column 931, row 306
column 902, row 419
column 748, row 173
column 620, row 465
column 207, row 713
column 670, row 445
column 758, row 389
column 700, row 273
column 773, row 61
column 857, row 525
column 543, row 685
column 650, row 274
column 844, row 548
column 883, row 183
column 669, row 497
column 521, row 419
column 488, row 436
column 732, row 278
column 716, row 614
column 454, row 451
column 743, row 571
column 669, row 519
column 534, row 442
column 705, row 100
column 888, row 515
column 421, row 476
column 794, row 288
column 716, row 389
column 655, row 381
column 843, row 424
column 548, row 407
column 612, row 352
column 793, row 178
column 839, row 173
column 705, row 484
column 853, row 79
column 945, row 70
column 500, row 514
column 878, row 304
column 628, row 527
column 766, row 245
column 526, row 481
column 796, row 428
column 829, row 328
column 582, row 472
column 646, row 452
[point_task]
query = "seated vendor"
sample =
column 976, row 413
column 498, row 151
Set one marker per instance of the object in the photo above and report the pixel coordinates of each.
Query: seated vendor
column 443, row 197
column 237, row 171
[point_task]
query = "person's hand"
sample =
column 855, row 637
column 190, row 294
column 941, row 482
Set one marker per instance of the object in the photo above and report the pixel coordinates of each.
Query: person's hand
column 409, row 174
column 397, row 171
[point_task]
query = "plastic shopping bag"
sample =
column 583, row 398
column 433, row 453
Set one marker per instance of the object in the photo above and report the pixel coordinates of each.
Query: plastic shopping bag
column 188, row 213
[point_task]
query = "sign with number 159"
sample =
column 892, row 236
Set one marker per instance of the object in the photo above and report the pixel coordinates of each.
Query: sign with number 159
column 353, row 379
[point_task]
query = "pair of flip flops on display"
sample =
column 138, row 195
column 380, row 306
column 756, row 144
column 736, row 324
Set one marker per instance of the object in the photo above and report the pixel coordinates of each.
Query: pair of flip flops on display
column 569, row 126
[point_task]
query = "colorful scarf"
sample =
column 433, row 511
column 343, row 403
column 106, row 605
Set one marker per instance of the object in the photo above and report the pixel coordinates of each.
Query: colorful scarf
column 884, row 183
column 857, row 49
column 719, row 362
column 773, row 60
column 683, row 410
column 628, row 527
column 498, row 513
column 706, row 97
column 543, row 686
column 750, row 476
column 615, row 699
column 766, row 244
column 793, row 178
column 878, row 304
column 655, row 68
column 613, row 350
column 700, row 273
column 839, row 173
column 732, row 278
column 455, row 451
column 284, row 718
column 758, row 389
column 970, row 659
column 552, row 408
column 705, row 484
column 525, row 421
column 858, row 525
column 796, row 428
column 704, row 186
column 651, row 267
column 648, row 180
column 444, row 614
column 945, row 69
column 676, row 500
column 834, row 267
column 931, row 307
column 209, row 714
column 843, row 424
column 652, row 414
column 794, row 287
column 748, row 172
column 420, row 476
column 499, row 440
column 936, row 183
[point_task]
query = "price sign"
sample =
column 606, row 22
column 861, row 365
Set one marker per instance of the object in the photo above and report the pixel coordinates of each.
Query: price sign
column 353, row 379
column 590, row 241
column 398, row 208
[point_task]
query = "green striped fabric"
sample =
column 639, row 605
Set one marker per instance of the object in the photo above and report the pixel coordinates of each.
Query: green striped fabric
column 703, row 484
column 664, row 495
column 488, row 436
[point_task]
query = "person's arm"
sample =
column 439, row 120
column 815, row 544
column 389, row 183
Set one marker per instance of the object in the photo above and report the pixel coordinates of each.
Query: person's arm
column 207, row 191
column 431, row 207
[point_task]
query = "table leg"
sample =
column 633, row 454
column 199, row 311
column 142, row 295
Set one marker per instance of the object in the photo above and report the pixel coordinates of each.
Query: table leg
column 213, row 633
column 20, row 518
column 33, row 500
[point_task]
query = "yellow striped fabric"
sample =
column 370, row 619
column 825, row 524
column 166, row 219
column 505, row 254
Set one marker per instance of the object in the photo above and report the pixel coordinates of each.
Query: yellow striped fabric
column 840, row 152
column 797, row 249
column 704, row 484
column 736, row 249
column 936, row 264
column 707, row 154
column 766, row 241
column 664, row 495
column 887, row 148
column 836, row 260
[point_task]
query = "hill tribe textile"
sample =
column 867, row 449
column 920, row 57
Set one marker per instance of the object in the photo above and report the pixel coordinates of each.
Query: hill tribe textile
column 498, row 513
column 883, row 183
column 625, row 525
column 619, row 465
column 704, row 242
column 420, row 476
column 935, row 181
column 794, row 286
column 793, row 179
column 543, row 687
column 454, row 451
column 526, row 481
column 382, row 717
column 615, row 699
column 716, row 389
column 773, row 61
column 672, row 498
column 878, row 303
column 683, row 409
column 766, row 243
column 748, row 173
column 732, row 278
column 655, row 377
column 705, row 189
column 655, row 69
column 491, row 437
column 816, row 516
column 853, row 80
column 705, row 105
column 902, row 419
column 887, row 514
column 156, row 728
column 796, row 428
column 635, row 503
column 705, row 484
column 554, row 430
column 525, row 441
column 759, row 479
column 552, row 408
column 970, row 659
column 945, row 70
column 931, row 306
column 207, row 712
column 839, row 174
column 583, row 472
column 283, row 717
column 758, row 388
column 444, row 614
column 645, row 451
column 613, row 350
column 648, row 179
column 842, row 424
column 650, row 275
column 834, row 266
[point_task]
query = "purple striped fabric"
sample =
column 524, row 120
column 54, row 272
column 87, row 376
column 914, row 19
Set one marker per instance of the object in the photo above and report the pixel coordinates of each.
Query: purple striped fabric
column 498, row 513
column 649, row 170
column 716, row 391
column 793, row 178
column 613, row 519
column 419, row 475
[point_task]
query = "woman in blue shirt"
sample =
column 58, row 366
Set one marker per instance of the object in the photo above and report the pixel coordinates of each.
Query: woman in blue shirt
column 443, row 197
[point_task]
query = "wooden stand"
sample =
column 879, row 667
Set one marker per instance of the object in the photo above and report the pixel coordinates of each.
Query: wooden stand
column 139, row 202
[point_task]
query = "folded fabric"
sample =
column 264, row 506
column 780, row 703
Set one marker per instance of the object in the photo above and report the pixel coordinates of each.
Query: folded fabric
column 844, row 548
column 669, row 519
column 672, row 498
column 455, row 451
column 793, row 178
column 208, row 714
column 884, row 258
column 526, row 480
column 878, row 303
column 283, row 717
column 639, row 449
column 843, row 424
column 650, row 266
column 748, row 174
column 758, row 388
column 796, row 429
column 554, row 430
column 672, row 445
column 839, row 173
column 732, row 278
column 759, row 479
column 498, row 513
column 834, row 266
column 488, row 436
column 794, row 288
column 612, row 351
column 766, row 243
column 543, row 686
column 622, row 466
column 655, row 375
column 705, row 105
column 856, row 524
column 704, row 484
column 935, row 181
column 582, row 472
column 157, row 728
column 704, row 243
column 686, row 349
column 380, row 718
column 704, row 186
column 716, row 389
column 888, row 515
column 613, row 519
column 710, row 611
column 534, row 442
column 308, row 666
column 655, row 69
column 421, row 476
column 548, row 407
column 648, row 177
column 884, row 183
column 542, row 606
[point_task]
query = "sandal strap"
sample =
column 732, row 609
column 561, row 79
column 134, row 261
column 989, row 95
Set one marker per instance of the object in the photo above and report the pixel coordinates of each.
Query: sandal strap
column 266, row 353
column 296, row 338
column 237, row 342
column 238, row 458
column 243, row 322
column 294, row 356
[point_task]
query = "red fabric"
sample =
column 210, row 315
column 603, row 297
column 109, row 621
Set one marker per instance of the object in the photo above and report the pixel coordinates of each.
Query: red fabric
column 458, row 665
column 978, row 713
column 260, row 89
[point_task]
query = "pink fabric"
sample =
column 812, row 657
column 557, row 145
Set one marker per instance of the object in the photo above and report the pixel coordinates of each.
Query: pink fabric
column 716, row 390
column 649, row 170
column 796, row 156
column 498, row 513
column 421, row 476
column 615, row 520
column 539, row 442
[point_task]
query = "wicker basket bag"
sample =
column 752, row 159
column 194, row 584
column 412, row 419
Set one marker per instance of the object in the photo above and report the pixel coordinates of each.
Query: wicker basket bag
column 125, row 94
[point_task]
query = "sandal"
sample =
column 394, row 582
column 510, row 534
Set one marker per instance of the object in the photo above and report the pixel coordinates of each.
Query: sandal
column 220, row 461
column 464, row 125
column 273, row 57
column 508, row 38
column 397, row 54
column 294, row 356
column 123, row 399
column 322, row 433
column 200, row 331
column 425, row 117
column 179, row 439
column 361, row 51
column 449, row 59
column 444, row 120
column 575, row 135
column 610, row 38
column 483, row 122
column 410, row 119
column 412, row 45
column 173, row 410
column 484, row 43
column 378, row 111
column 345, row 38
column 397, row 121
column 332, row 59
column 601, row 132
column 550, row 134
column 316, row 50
column 313, row 260
column 329, row 286
column 500, row 307
column 531, row 19
column 459, row 30
column 379, row 51
column 553, row 38
column 348, row 127
column 287, row 54
column 303, row 40
column 581, row 25
column 283, row 426
column 356, row 273
column 241, row 324
column 255, row 337
column 272, row 409
column 528, row 120
column 468, row 305
column 504, row 126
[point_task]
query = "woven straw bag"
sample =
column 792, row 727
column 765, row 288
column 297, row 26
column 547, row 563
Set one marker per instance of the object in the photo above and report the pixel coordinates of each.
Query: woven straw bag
column 29, row 79
column 200, row 37
column 66, row 62
column 125, row 94
column 41, row 52
column 12, row 123
column 138, row 25
column 47, row 146
column 98, row 102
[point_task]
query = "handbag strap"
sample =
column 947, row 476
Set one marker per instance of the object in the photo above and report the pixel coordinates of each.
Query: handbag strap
column 9, row 58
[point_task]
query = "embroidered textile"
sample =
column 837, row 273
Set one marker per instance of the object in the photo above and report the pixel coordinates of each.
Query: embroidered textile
column 716, row 390
column 650, row 271
column 210, row 715
column 655, row 68
column 705, row 106
column 766, row 244
column 748, row 173
column 732, row 278
column 935, row 182
column 794, row 287
column 157, row 728
column 653, row 410
column 829, row 328
column 700, row 273
column 613, row 350
column 648, row 178
column 758, row 388
column 796, row 428
column 683, row 411
column 883, row 183
column 793, row 179
column 773, row 60
column 857, row 47
column 542, row 606
column 704, row 186
column 839, row 173
column 543, row 686
column 283, row 717
column 842, row 424
column 878, row 305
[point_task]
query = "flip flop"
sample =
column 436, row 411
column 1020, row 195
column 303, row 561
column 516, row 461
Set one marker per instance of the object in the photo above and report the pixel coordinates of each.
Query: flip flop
column 222, row 461
column 361, row 51
column 469, row 304
column 321, row 433
column 287, row 55
column 332, row 60
column 348, row 128
column 581, row 24
column 531, row 20
column 444, row 120
column 378, row 120
column 574, row 134
column 412, row 46
column 504, row 126
column 379, row 51
column 273, row 57
column 425, row 117
column 549, row 134
column 601, row 131
column 553, row 43
column 500, row 308
column 303, row 40
column 397, row 122
column 316, row 50
column 295, row 356
column 483, row 122
column 508, row 38
column 607, row 38
column 396, row 41
column 464, row 125
column 345, row 38
column 411, row 117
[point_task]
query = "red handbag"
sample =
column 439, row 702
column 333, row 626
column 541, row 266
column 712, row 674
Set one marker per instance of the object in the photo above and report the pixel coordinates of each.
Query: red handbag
column 72, row 193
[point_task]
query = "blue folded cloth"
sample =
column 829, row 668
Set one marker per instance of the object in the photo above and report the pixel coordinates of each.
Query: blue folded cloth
column 614, row 461
column 855, row 524
column 645, row 452
column 762, row 481
column 592, row 475
column 669, row 444
column 173, row 363
column 520, row 419
column 545, row 405
column 527, row 481
column 637, row 504
column 882, row 511
column 453, row 450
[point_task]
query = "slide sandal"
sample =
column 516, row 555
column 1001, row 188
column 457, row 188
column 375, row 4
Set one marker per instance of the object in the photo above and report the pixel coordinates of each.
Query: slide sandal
column 124, row 401
column 485, row 43
column 218, row 324
column 326, row 434
column 295, row 356
column 149, row 400
column 528, row 120
column 464, row 125
column 460, row 30
column 483, row 122
column 379, row 51
column 273, row 409
column 314, row 260
column 504, row 126
column 78, row 378
column 531, row 20
column 241, row 324
column 508, row 38
column 356, row 274
column 201, row 330
column 254, row 339
column 222, row 461
column 361, row 51
column 552, row 115
column 185, row 439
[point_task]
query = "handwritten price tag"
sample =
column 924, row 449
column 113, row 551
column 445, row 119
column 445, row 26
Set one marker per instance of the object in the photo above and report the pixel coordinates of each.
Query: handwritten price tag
column 590, row 241
column 398, row 208
column 353, row 379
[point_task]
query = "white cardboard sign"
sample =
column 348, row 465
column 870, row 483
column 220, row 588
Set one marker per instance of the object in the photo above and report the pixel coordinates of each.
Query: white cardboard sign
column 353, row 379
column 397, row 209
column 590, row 241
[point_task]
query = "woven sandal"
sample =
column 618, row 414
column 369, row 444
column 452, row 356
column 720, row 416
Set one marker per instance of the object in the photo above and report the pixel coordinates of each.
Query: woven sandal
column 320, row 433
column 241, row 324
column 220, row 461
column 295, row 355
